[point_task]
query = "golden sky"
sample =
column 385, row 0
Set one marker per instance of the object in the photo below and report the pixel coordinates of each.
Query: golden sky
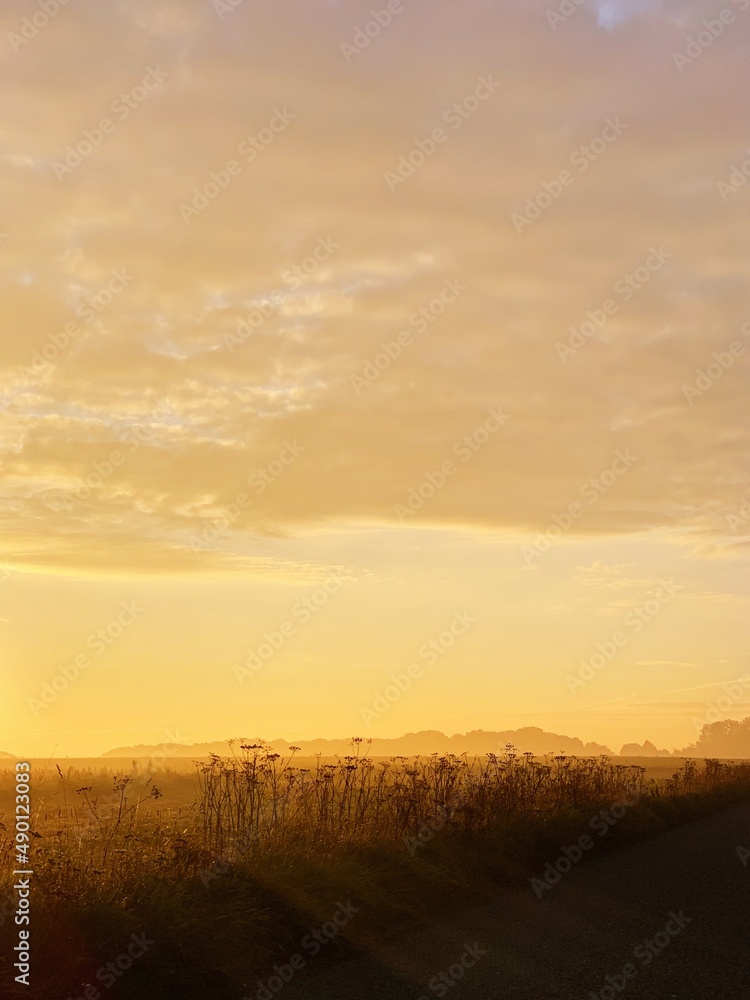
column 292, row 297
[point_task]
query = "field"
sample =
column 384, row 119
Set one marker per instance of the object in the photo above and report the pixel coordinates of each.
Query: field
column 173, row 878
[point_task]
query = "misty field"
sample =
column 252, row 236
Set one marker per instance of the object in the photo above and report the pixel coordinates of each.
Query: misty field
column 216, row 869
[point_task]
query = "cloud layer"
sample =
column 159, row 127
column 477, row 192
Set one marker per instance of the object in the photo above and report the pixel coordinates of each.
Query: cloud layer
column 226, row 317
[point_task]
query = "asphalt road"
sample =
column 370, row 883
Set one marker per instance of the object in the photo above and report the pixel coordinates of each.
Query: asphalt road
column 686, row 892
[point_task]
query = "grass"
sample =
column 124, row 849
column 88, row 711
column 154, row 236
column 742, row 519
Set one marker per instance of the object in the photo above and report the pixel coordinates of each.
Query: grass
column 227, row 872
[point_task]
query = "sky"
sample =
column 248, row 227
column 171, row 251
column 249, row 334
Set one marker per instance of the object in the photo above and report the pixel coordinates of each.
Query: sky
column 368, row 372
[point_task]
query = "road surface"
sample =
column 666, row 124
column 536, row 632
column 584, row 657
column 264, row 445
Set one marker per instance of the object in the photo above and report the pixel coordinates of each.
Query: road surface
column 667, row 919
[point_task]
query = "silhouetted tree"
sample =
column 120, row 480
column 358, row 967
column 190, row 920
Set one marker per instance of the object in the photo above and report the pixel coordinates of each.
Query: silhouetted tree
column 727, row 738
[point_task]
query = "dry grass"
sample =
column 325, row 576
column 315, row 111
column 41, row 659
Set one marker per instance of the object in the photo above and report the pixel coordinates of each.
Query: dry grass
column 254, row 800
column 260, row 847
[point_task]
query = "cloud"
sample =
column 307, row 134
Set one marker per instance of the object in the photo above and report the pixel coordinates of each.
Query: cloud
column 155, row 357
column 612, row 14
